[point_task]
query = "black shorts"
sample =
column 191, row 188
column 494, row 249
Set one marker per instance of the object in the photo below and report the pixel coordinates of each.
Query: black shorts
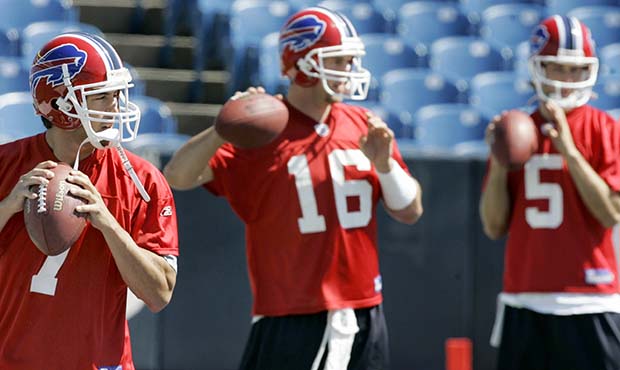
column 535, row 341
column 292, row 342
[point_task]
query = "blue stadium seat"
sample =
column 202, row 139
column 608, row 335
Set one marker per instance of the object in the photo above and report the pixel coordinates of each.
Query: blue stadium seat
column 176, row 12
column 443, row 126
column 36, row 34
column 364, row 16
column 607, row 90
column 390, row 8
column 472, row 149
column 615, row 113
column 404, row 91
column 564, row 6
column 520, row 62
column 155, row 115
column 420, row 23
column 13, row 75
column 250, row 21
column 504, row 26
column 139, row 86
column 603, row 21
column 157, row 147
column 267, row 73
column 375, row 108
column 17, row 14
column 384, row 53
column 460, row 58
column 609, row 57
column 17, row 116
column 474, row 8
column 493, row 92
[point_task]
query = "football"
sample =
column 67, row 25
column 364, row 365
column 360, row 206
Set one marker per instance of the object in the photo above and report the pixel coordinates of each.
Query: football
column 515, row 139
column 251, row 120
column 51, row 220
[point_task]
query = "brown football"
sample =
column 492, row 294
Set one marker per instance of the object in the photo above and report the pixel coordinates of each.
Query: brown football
column 51, row 220
column 252, row 120
column 515, row 139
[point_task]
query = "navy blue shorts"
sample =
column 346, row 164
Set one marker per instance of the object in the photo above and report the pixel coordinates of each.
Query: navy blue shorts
column 535, row 341
column 292, row 342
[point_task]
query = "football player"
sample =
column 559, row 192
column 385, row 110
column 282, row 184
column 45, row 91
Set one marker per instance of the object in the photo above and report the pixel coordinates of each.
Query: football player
column 68, row 311
column 560, row 307
column 310, row 216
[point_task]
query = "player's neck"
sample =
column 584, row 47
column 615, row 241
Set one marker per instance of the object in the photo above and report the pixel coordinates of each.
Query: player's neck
column 65, row 144
column 313, row 105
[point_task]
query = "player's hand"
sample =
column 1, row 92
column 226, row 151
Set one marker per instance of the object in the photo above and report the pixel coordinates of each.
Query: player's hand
column 489, row 137
column 558, row 131
column 377, row 144
column 39, row 175
column 253, row 90
column 97, row 212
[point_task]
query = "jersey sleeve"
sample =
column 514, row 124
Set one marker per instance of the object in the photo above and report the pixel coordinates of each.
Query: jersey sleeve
column 155, row 227
column 220, row 164
column 607, row 163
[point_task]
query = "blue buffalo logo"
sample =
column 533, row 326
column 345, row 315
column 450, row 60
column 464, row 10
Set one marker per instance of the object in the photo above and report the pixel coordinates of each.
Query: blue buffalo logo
column 302, row 33
column 539, row 39
column 49, row 66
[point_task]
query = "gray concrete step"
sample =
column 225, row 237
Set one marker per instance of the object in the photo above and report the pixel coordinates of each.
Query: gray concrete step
column 123, row 16
column 194, row 118
column 175, row 84
column 145, row 50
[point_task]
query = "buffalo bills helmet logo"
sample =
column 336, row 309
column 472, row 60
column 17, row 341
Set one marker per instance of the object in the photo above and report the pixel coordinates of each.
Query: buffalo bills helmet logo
column 539, row 39
column 49, row 66
column 302, row 33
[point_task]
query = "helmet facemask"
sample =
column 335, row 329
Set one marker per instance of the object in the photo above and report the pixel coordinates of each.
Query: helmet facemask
column 551, row 89
column 126, row 120
column 356, row 79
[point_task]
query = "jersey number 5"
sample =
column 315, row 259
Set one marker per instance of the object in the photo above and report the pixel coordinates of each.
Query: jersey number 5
column 535, row 189
column 311, row 221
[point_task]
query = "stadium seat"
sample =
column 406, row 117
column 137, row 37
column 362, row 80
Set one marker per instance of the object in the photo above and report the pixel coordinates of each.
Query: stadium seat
column 564, row 6
column 520, row 62
column 250, row 21
column 17, row 116
column 420, row 23
column 603, row 21
column 504, row 26
column 615, row 113
column 384, row 53
column 472, row 149
column 13, row 75
column 607, row 90
column 474, row 8
column 17, row 14
column 364, row 16
column 155, row 115
column 36, row 34
column 404, row 91
column 460, row 58
column 176, row 12
column 139, row 86
column 442, row 126
column 267, row 73
column 493, row 92
column 157, row 148
column 609, row 58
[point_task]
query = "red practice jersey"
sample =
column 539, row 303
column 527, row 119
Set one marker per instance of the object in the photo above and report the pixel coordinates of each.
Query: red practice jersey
column 79, row 324
column 308, row 202
column 555, row 244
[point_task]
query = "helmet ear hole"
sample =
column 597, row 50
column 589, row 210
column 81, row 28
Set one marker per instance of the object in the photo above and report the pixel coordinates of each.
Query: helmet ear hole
column 62, row 104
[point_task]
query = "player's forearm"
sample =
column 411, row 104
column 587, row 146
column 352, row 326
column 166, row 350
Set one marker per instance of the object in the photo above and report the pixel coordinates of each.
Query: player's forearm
column 189, row 167
column 147, row 274
column 6, row 212
column 495, row 203
column 602, row 202
column 412, row 213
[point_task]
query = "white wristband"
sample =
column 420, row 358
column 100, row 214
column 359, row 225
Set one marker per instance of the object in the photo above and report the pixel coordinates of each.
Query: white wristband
column 399, row 189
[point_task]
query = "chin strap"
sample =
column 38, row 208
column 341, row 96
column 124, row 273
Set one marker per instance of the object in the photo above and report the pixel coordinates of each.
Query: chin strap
column 111, row 136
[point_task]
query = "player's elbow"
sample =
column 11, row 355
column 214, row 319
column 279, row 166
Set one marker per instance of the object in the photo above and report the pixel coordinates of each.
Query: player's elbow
column 175, row 178
column 494, row 231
